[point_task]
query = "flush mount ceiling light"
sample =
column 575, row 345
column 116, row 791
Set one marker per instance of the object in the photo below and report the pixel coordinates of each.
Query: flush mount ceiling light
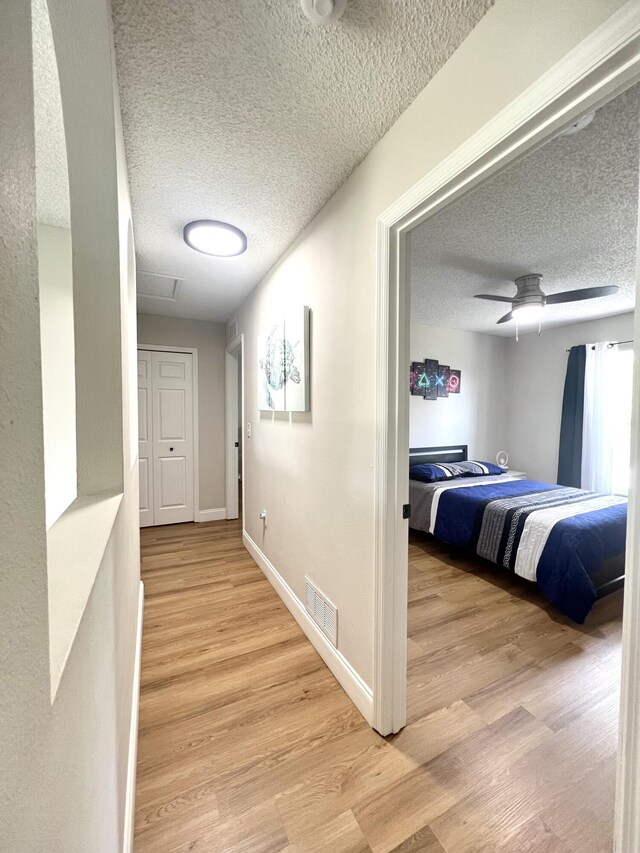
column 215, row 238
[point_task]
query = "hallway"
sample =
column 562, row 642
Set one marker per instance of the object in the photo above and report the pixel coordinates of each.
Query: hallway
column 236, row 705
column 247, row 743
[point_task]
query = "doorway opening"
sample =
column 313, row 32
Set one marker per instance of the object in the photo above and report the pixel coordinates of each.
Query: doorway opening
column 515, row 569
column 593, row 74
column 234, row 431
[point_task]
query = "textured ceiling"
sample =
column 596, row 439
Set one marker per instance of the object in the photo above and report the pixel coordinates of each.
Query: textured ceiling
column 568, row 211
column 52, row 180
column 246, row 112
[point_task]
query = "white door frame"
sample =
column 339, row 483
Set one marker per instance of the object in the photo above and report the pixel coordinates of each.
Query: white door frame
column 196, row 445
column 600, row 67
column 145, row 472
column 233, row 351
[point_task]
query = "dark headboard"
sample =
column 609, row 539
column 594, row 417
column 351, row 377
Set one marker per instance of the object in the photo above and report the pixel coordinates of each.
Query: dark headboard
column 450, row 453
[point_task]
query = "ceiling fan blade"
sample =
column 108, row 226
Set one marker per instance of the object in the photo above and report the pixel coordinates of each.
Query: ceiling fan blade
column 583, row 293
column 493, row 298
column 506, row 318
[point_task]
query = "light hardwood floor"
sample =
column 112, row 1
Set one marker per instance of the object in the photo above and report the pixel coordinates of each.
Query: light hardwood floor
column 247, row 743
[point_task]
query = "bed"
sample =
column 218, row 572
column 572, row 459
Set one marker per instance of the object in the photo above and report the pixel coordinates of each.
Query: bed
column 570, row 542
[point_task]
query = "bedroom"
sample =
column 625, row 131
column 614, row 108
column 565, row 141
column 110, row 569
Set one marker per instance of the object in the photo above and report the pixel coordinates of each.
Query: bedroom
column 533, row 668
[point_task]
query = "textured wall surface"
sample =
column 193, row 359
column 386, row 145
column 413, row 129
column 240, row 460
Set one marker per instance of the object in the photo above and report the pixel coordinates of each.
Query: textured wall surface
column 24, row 671
column 325, row 528
column 52, row 189
column 568, row 211
column 64, row 765
column 210, row 340
column 247, row 112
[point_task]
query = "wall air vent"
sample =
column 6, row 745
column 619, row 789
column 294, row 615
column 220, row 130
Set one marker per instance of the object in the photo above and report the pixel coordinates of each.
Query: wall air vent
column 322, row 611
column 232, row 328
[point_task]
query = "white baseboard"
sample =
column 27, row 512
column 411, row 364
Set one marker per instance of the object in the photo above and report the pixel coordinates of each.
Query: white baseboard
column 130, row 795
column 358, row 691
column 212, row 514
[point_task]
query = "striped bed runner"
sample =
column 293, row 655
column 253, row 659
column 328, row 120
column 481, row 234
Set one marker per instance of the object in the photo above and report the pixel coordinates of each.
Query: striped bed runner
column 514, row 530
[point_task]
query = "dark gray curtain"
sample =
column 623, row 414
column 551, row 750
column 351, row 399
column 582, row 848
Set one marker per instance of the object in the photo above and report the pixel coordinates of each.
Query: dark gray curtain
column 570, row 456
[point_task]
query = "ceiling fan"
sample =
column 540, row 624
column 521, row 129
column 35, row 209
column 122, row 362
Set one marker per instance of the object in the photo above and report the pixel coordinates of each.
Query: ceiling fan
column 529, row 302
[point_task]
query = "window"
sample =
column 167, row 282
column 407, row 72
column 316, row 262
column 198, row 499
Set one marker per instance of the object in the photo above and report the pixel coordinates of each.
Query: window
column 606, row 436
column 622, row 366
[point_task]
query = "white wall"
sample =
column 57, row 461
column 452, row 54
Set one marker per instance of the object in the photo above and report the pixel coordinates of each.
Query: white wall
column 477, row 415
column 58, row 369
column 210, row 340
column 64, row 765
column 314, row 472
column 537, row 367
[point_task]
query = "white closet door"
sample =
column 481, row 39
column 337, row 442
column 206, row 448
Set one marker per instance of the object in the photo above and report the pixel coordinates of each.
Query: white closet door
column 172, row 379
column 145, row 437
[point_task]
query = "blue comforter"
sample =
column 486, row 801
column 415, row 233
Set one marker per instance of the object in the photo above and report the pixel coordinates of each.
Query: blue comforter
column 575, row 548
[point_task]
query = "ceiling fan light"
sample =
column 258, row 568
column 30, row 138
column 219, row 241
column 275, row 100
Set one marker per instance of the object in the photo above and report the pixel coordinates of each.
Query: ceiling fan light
column 215, row 238
column 528, row 313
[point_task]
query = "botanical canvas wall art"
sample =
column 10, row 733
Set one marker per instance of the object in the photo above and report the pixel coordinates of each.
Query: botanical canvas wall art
column 296, row 360
column 283, row 364
column 271, row 379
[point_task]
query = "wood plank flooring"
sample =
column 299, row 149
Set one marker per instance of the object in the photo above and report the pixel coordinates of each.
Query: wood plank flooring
column 247, row 743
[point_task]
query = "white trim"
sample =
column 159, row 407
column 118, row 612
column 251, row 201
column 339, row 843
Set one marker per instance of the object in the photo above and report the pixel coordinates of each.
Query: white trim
column 212, row 514
column 356, row 689
column 196, row 420
column 130, row 793
column 233, row 351
column 158, row 348
column 603, row 65
column 76, row 545
column 627, row 815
